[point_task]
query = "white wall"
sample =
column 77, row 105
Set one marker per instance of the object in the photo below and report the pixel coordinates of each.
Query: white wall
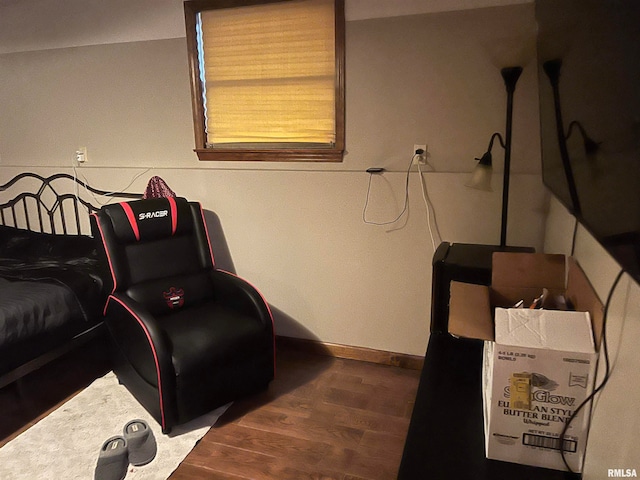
column 44, row 24
column 296, row 230
column 615, row 427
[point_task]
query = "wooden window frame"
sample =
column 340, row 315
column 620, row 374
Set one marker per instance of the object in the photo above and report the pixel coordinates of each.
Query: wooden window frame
column 333, row 153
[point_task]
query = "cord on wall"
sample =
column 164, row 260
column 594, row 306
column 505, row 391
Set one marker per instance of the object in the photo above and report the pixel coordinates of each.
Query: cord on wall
column 372, row 171
column 430, row 211
column 608, row 370
column 96, row 199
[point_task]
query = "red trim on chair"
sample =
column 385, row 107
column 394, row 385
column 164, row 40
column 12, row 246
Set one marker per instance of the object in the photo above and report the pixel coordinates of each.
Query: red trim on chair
column 132, row 218
column 174, row 214
column 153, row 350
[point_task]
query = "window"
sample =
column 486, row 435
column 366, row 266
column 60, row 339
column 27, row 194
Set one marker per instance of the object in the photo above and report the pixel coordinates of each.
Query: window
column 267, row 79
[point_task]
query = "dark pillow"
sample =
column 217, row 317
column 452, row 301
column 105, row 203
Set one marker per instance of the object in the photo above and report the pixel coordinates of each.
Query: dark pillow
column 30, row 246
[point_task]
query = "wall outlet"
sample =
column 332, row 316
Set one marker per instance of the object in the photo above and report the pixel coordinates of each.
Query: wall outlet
column 419, row 158
column 80, row 155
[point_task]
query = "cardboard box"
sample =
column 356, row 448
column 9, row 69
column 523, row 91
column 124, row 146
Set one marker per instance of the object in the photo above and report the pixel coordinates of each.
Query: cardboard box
column 538, row 364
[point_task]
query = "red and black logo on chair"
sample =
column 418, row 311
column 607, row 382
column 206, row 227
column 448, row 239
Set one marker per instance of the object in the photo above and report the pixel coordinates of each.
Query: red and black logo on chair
column 154, row 218
column 174, row 297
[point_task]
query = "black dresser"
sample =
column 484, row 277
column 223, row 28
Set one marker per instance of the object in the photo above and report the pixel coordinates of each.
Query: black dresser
column 446, row 435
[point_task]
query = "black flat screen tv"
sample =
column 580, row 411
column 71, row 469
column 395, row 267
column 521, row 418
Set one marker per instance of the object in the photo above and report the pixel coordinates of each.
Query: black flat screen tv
column 588, row 54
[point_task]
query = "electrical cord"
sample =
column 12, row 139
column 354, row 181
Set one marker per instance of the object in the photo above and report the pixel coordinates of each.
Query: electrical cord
column 406, row 199
column 605, row 351
column 430, row 211
column 97, row 200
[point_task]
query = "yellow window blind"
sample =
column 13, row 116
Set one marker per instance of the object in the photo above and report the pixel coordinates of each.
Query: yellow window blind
column 269, row 73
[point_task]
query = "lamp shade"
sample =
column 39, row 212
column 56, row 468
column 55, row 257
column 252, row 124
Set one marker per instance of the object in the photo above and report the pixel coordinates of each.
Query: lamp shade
column 481, row 175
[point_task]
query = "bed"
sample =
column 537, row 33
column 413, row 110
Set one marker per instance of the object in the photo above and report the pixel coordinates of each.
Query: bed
column 51, row 281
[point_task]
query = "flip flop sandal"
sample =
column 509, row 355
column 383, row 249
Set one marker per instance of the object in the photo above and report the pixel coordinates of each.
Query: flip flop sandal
column 140, row 441
column 113, row 460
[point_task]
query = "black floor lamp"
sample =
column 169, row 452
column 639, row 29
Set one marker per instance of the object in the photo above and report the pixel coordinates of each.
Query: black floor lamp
column 481, row 177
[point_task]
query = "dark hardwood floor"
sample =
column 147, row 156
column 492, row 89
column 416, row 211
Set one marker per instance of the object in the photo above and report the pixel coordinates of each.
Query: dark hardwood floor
column 321, row 418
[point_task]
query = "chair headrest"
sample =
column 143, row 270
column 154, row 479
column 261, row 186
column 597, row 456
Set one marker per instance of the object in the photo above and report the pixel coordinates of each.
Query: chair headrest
column 149, row 219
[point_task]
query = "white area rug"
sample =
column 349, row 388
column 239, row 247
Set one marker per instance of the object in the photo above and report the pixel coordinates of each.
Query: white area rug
column 66, row 443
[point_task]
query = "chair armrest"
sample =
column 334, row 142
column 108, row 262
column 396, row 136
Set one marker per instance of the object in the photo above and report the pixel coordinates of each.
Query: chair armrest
column 236, row 292
column 139, row 338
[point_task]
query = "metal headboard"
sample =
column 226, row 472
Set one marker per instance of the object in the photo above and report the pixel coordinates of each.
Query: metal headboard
column 48, row 207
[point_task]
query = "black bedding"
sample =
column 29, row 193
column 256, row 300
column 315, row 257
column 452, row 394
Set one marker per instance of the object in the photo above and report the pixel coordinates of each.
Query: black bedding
column 31, row 308
column 48, row 284
column 51, row 287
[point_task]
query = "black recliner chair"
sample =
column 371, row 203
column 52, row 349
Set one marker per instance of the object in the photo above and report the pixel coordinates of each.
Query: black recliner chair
column 187, row 337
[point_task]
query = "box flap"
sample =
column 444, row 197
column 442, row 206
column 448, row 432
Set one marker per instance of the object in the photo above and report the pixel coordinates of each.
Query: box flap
column 584, row 298
column 528, row 270
column 544, row 329
column 470, row 311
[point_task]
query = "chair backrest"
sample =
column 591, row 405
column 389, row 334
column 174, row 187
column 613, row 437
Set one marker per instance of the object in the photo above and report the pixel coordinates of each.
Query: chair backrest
column 157, row 251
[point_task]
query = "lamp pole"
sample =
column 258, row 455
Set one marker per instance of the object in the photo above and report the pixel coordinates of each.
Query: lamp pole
column 510, row 76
